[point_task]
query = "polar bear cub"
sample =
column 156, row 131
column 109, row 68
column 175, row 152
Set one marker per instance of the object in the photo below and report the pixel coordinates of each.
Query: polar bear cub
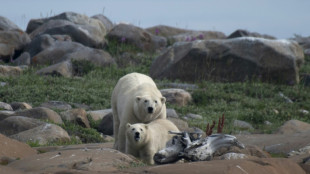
column 135, row 99
column 144, row 140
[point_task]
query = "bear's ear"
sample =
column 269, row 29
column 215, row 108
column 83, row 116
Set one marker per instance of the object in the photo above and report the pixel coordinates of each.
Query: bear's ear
column 163, row 100
column 146, row 126
column 138, row 98
column 128, row 125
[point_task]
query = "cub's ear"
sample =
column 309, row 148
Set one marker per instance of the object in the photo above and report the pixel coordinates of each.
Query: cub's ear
column 146, row 126
column 138, row 98
column 128, row 124
column 163, row 100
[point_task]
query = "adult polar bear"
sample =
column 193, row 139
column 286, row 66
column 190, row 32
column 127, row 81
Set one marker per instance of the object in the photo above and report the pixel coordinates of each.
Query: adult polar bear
column 135, row 99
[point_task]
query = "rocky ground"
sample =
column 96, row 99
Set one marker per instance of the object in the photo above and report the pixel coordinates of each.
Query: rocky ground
column 59, row 45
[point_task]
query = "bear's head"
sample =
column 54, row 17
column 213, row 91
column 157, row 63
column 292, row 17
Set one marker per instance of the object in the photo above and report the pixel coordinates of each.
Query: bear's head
column 149, row 106
column 136, row 132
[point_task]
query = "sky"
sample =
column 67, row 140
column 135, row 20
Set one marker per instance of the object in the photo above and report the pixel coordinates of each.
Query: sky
column 279, row 18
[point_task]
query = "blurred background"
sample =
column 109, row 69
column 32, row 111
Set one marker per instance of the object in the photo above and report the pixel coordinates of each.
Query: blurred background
column 278, row 18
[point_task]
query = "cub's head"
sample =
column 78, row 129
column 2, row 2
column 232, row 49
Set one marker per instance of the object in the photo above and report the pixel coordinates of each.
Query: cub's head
column 136, row 132
column 150, row 104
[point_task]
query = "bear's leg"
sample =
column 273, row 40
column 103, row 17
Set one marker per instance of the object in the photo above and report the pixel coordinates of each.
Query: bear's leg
column 147, row 155
column 122, row 137
column 132, row 150
column 115, row 129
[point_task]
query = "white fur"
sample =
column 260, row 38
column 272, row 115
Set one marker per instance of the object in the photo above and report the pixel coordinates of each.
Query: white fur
column 132, row 96
column 152, row 138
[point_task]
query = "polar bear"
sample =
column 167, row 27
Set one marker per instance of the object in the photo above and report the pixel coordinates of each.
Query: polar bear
column 135, row 99
column 144, row 140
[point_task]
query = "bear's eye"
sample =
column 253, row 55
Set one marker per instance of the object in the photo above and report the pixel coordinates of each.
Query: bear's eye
column 141, row 130
column 145, row 101
column 155, row 101
column 133, row 129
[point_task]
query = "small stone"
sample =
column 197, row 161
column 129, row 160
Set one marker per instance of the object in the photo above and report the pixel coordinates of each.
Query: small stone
column 303, row 111
column 268, row 123
column 193, row 116
column 242, row 124
column 276, row 111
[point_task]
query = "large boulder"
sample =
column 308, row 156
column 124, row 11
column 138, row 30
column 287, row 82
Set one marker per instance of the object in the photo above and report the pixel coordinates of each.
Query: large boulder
column 40, row 113
column 14, row 149
column 245, row 33
column 196, row 35
column 106, row 124
column 78, row 116
column 176, row 96
column 174, row 34
column 166, row 31
column 63, row 50
column 138, row 37
column 231, row 60
column 106, row 21
column 12, row 39
column 56, row 105
column 6, row 24
column 88, row 31
column 63, row 69
column 44, row 134
column 99, row 114
column 293, row 126
column 15, row 124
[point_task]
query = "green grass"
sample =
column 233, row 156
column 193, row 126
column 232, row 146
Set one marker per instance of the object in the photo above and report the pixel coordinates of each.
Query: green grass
column 251, row 101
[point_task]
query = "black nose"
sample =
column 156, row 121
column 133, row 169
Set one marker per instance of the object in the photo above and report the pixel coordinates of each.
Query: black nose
column 137, row 133
column 150, row 109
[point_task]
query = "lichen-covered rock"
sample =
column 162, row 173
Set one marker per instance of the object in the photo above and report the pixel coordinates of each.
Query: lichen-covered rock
column 78, row 116
column 44, row 134
column 88, row 31
column 140, row 38
column 231, row 60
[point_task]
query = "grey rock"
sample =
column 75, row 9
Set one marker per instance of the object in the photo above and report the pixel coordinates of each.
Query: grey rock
column 172, row 113
column 293, row 126
column 175, row 96
column 6, row 114
column 39, row 43
column 245, row 33
column 106, row 21
column 5, row 106
column 106, row 125
column 59, row 105
column 40, row 113
column 196, row 35
column 166, row 31
column 78, row 116
column 6, row 24
column 63, row 50
column 242, row 124
column 43, row 134
column 143, row 40
column 193, row 116
column 20, row 106
column 23, row 59
column 15, row 124
column 181, row 124
column 63, row 69
column 99, row 114
column 10, row 70
column 11, row 41
column 231, row 60
column 88, row 31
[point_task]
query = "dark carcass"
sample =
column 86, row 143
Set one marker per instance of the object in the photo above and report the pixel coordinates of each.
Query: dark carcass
column 192, row 147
